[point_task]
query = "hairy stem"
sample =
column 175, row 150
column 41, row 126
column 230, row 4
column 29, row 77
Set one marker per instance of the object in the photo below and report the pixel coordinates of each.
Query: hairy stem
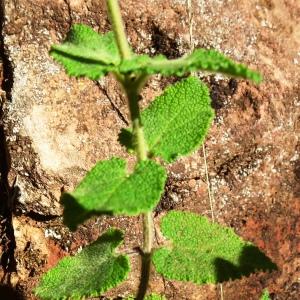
column 137, row 129
column 145, row 276
column 132, row 86
column 118, row 28
column 140, row 146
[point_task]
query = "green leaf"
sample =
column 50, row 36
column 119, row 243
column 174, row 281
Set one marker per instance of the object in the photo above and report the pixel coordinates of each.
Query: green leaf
column 265, row 295
column 108, row 189
column 199, row 60
column 205, row 252
column 90, row 273
column 177, row 121
column 86, row 53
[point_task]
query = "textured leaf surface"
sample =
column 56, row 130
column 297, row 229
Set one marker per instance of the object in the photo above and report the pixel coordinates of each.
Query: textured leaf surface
column 108, row 189
column 176, row 122
column 90, row 273
column 205, row 252
column 200, row 59
column 86, row 53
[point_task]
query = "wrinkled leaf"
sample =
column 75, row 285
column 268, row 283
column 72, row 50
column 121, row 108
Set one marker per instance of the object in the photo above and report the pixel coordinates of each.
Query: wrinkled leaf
column 90, row 273
column 205, row 252
column 199, row 60
column 86, row 53
column 177, row 121
column 108, row 189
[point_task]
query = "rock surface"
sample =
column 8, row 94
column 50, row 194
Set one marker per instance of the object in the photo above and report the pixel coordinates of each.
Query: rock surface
column 58, row 127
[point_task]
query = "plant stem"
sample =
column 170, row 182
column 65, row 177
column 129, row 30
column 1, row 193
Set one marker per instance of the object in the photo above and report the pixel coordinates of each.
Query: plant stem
column 132, row 86
column 137, row 128
column 148, row 228
column 141, row 150
column 118, row 28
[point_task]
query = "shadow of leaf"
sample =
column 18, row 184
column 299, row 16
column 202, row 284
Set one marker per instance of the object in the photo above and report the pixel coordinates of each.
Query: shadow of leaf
column 251, row 260
column 75, row 214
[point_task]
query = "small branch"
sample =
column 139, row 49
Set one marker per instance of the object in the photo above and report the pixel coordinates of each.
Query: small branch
column 132, row 86
column 141, row 150
column 137, row 127
column 148, row 232
column 145, row 276
column 118, row 28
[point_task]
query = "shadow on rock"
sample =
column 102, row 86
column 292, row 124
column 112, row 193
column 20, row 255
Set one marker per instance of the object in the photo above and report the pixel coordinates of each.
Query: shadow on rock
column 251, row 260
column 9, row 293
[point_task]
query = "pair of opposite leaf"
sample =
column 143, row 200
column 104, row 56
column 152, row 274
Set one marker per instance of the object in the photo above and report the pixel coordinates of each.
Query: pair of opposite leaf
column 200, row 252
column 175, row 124
column 86, row 53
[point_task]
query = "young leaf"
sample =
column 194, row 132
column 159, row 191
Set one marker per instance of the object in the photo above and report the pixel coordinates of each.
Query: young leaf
column 199, row 60
column 205, row 252
column 86, row 53
column 90, row 273
column 177, row 121
column 265, row 295
column 107, row 189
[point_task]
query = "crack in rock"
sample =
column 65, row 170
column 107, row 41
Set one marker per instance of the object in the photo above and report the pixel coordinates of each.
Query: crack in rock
column 8, row 243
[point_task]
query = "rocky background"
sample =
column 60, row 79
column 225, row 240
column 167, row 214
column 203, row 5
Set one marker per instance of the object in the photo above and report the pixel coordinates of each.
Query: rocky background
column 54, row 128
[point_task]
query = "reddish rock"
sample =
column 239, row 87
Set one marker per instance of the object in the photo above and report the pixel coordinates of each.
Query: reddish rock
column 57, row 128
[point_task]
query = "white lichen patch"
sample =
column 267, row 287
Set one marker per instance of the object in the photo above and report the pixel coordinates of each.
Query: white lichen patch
column 52, row 233
column 57, row 151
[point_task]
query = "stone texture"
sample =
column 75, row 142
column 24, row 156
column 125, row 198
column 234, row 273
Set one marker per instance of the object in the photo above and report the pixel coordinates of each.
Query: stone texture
column 58, row 127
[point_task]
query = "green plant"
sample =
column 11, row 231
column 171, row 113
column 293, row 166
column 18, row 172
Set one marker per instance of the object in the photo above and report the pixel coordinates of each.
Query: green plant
column 173, row 125
column 265, row 295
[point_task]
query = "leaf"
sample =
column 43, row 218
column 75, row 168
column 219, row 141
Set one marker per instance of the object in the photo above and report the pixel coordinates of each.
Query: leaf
column 90, row 273
column 205, row 252
column 199, row 60
column 86, row 53
column 177, row 121
column 265, row 295
column 107, row 189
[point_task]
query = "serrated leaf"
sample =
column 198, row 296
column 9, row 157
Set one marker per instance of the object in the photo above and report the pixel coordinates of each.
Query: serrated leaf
column 86, row 53
column 108, row 189
column 177, row 121
column 199, row 60
column 205, row 252
column 90, row 273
